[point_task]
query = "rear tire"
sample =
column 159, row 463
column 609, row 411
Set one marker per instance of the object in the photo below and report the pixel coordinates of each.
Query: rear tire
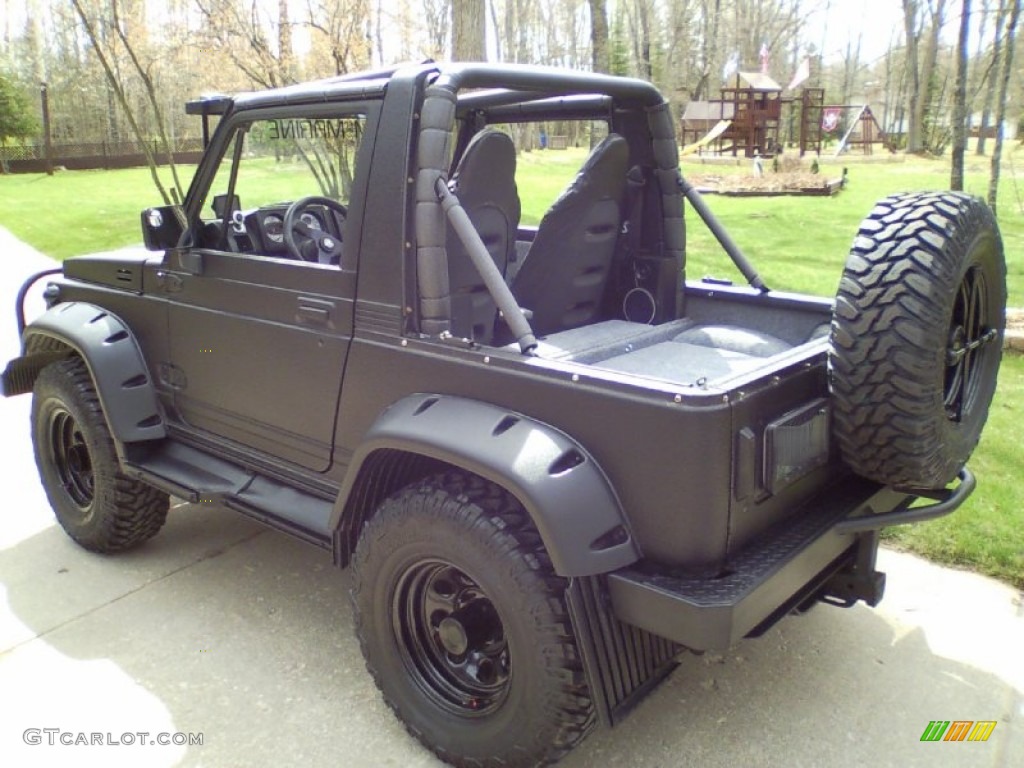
column 464, row 626
column 99, row 507
column 917, row 338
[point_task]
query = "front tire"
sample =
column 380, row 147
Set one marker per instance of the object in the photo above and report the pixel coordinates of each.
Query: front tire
column 464, row 626
column 99, row 507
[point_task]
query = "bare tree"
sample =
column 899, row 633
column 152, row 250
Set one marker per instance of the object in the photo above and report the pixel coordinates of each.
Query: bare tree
column 992, row 76
column 102, row 49
column 284, row 40
column 929, row 103
column 642, row 39
column 436, row 15
column 336, row 32
column 242, row 34
column 599, row 35
column 678, row 50
column 923, row 92
column 851, row 66
column 709, row 51
column 956, row 179
column 911, row 24
column 469, row 30
column 997, row 150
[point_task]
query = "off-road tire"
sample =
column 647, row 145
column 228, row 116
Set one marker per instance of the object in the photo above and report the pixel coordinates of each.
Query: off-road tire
column 98, row 506
column 534, row 705
column 917, row 338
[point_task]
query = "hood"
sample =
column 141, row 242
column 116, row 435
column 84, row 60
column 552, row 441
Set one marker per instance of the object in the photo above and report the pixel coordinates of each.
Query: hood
column 118, row 269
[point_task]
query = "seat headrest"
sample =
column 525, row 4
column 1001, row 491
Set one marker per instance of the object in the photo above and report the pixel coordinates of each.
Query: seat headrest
column 489, row 155
column 602, row 175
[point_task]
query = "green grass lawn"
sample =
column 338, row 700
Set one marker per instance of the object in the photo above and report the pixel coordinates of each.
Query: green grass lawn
column 798, row 244
column 75, row 212
column 987, row 533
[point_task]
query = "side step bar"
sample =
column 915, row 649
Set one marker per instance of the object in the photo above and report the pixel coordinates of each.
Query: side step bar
column 198, row 477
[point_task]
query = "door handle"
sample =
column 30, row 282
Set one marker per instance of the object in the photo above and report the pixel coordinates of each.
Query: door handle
column 314, row 311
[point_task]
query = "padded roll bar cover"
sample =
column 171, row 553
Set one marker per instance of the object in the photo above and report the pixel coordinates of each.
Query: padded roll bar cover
column 115, row 362
column 565, row 492
column 666, row 155
column 485, row 183
column 437, row 117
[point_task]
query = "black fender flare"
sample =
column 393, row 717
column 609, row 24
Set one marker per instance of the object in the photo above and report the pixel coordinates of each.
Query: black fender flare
column 112, row 355
column 564, row 490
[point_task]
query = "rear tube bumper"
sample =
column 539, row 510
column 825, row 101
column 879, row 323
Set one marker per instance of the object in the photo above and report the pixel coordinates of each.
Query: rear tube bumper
column 946, row 500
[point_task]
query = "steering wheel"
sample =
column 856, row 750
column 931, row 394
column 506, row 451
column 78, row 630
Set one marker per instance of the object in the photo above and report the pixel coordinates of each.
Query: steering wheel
column 317, row 246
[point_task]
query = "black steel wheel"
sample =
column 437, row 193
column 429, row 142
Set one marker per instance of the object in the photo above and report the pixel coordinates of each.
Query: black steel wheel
column 917, row 338
column 71, row 459
column 464, row 626
column 451, row 638
column 969, row 335
column 98, row 506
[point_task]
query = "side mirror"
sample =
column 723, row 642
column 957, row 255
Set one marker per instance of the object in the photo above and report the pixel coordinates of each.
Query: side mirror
column 221, row 206
column 162, row 227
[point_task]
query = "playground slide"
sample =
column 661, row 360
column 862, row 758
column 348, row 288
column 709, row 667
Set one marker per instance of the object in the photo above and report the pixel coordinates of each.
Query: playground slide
column 710, row 136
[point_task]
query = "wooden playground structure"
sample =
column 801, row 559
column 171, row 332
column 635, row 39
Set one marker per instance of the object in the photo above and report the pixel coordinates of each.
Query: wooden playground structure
column 748, row 121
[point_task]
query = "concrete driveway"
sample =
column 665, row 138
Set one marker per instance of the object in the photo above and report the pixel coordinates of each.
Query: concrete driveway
column 222, row 629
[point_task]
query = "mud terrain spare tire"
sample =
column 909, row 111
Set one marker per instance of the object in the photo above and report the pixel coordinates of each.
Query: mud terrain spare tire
column 917, row 337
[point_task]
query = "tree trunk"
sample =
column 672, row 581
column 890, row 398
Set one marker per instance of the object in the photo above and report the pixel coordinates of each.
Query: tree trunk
column 914, row 96
column 913, row 77
column 925, row 102
column 993, row 76
column 599, row 35
column 956, row 178
column 887, row 89
column 284, row 41
column 499, row 49
column 468, row 30
column 851, row 65
column 118, row 90
column 709, row 48
column 1004, row 84
column 644, row 21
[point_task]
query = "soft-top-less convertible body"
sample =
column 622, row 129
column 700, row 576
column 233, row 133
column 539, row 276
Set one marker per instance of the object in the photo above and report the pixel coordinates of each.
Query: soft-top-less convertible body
column 553, row 463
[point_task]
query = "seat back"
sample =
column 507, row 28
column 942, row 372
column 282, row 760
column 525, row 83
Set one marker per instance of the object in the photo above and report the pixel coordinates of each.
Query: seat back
column 485, row 184
column 562, row 280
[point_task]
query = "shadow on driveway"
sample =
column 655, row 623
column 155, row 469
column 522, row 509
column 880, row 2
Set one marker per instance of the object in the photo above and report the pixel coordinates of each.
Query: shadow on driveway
column 221, row 628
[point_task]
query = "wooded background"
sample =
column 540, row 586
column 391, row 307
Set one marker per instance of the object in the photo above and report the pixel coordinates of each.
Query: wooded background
column 120, row 70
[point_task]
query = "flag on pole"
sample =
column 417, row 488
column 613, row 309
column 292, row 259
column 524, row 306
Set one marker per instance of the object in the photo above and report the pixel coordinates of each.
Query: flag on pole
column 731, row 66
column 765, row 53
column 830, row 119
column 802, row 73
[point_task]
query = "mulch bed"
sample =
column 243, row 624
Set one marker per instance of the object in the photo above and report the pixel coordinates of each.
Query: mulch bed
column 736, row 185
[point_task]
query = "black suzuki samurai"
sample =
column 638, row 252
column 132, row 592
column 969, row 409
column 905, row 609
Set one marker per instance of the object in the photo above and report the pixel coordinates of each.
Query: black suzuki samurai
column 552, row 463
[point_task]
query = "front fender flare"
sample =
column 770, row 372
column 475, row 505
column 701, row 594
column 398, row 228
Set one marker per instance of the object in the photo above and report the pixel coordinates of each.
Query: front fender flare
column 113, row 357
column 567, row 495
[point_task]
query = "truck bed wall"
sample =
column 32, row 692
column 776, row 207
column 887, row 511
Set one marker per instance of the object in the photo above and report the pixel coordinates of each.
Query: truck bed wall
column 672, row 463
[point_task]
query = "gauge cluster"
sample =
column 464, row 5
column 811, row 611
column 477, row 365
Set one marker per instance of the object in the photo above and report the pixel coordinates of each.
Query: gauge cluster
column 266, row 226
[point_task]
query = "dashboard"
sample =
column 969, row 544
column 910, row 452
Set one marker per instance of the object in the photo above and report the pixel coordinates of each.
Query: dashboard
column 265, row 226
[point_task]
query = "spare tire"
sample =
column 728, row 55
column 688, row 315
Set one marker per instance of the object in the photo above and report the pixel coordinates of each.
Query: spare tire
column 917, row 336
